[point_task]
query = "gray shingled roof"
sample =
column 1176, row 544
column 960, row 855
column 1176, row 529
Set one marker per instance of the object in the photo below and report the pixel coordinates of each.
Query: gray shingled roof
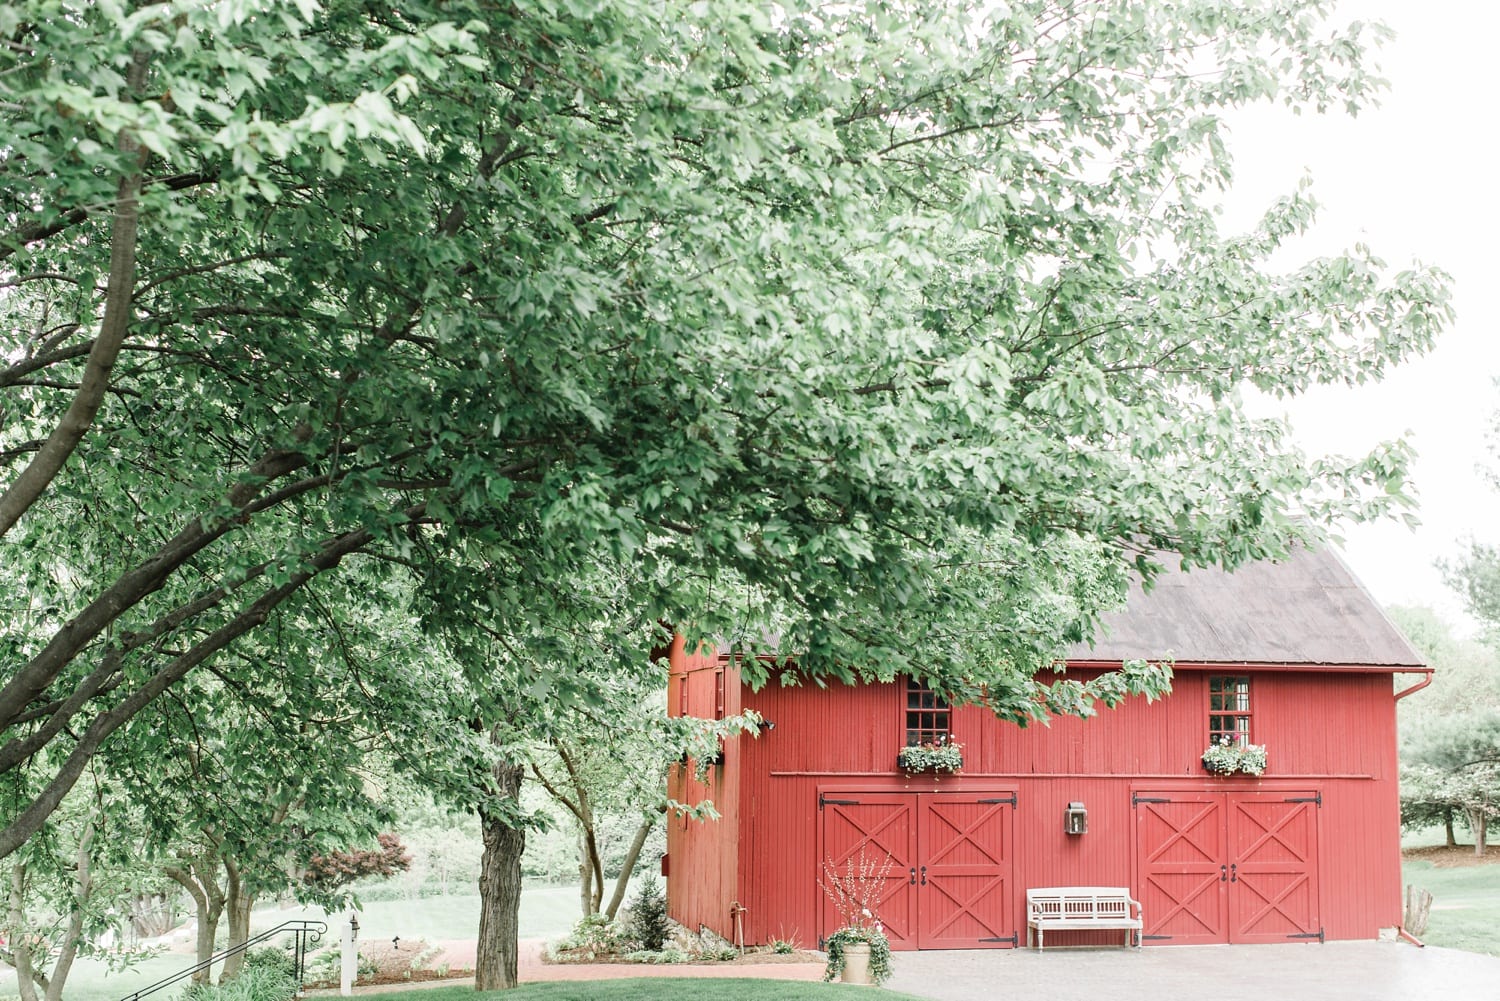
column 1307, row 609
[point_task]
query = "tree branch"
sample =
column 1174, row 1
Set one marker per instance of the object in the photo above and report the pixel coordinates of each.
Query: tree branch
column 49, row 460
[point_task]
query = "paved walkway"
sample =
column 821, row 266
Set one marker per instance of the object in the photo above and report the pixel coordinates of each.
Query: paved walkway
column 1337, row 971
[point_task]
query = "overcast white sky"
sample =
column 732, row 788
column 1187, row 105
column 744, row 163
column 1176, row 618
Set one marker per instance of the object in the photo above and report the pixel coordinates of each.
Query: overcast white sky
column 1415, row 180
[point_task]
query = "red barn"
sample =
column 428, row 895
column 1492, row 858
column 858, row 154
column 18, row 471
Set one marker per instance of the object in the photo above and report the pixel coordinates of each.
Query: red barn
column 1295, row 656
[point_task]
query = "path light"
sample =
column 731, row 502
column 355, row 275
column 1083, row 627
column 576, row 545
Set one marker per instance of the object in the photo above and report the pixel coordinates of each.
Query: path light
column 396, row 942
column 1075, row 819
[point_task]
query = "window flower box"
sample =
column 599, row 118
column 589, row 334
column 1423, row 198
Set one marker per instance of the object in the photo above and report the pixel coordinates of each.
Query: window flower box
column 1224, row 757
column 937, row 756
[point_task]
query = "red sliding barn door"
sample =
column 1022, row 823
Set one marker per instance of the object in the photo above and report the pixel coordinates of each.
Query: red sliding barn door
column 1180, row 863
column 948, row 879
column 1217, row 867
column 865, row 829
column 964, row 868
column 1273, row 865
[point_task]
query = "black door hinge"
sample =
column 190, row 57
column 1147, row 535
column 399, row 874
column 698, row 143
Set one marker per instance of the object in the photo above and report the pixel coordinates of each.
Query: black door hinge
column 1136, row 799
column 1012, row 939
column 1310, row 934
column 825, row 801
column 1011, row 799
column 1316, row 797
column 1155, row 938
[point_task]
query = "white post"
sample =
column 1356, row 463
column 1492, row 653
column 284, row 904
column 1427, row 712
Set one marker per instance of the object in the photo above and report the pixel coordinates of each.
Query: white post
column 350, row 961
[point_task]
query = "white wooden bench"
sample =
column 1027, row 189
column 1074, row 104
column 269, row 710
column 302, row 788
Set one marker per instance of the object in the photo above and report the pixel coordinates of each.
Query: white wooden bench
column 1081, row 908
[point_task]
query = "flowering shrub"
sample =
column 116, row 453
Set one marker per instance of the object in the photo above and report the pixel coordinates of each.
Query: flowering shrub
column 1224, row 757
column 856, row 888
column 938, row 756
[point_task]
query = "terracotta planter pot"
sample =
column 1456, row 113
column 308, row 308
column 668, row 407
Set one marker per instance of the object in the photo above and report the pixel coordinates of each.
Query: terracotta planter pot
column 856, row 963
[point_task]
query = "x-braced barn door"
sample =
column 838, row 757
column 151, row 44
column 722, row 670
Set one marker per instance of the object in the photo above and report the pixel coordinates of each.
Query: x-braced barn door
column 1181, row 865
column 1228, row 867
column 964, row 862
column 948, row 882
column 861, row 830
column 1273, row 865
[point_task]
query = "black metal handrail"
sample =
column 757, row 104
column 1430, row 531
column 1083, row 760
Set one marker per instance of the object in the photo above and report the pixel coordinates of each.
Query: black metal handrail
column 306, row 932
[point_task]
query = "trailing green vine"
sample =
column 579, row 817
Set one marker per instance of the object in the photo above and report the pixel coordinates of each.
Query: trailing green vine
column 880, row 952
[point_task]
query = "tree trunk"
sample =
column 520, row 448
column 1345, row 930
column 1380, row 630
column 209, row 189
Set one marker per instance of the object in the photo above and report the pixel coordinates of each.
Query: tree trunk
column 1448, row 829
column 20, row 949
column 83, row 888
column 585, row 877
column 151, row 915
column 499, row 887
column 634, row 852
column 208, row 902
column 1479, row 820
column 238, row 903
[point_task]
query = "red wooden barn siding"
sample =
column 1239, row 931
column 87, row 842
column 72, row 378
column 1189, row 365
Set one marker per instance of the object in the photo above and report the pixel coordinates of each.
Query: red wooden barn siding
column 703, row 856
column 1331, row 732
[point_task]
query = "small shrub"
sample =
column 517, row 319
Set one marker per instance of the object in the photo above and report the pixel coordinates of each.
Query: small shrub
column 594, row 933
column 647, row 924
column 782, row 947
column 254, row 983
column 327, row 967
column 271, row 958
column 663, row 956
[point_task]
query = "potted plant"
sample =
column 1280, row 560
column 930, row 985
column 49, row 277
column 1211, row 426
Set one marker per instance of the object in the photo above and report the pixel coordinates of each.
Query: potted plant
column 859, row 955
column 858, row 952
column 941, row 755
column 1225, row 757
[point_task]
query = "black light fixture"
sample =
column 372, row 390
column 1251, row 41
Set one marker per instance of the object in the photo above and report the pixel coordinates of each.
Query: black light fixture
column 396, row 942
column 354, row 926
column 1075, row 819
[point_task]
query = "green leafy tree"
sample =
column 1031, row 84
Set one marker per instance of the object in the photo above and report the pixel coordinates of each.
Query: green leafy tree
column 65, row 892
column 840, row 307
column 1456, row 768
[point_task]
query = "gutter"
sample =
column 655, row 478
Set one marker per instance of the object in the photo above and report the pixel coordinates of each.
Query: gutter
column 1408, row 691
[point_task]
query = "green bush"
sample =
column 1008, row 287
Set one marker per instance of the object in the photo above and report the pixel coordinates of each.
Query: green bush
column 647, row 923
column 255, row 983
column 271, row 958
column 594, row 933
column 327, row 966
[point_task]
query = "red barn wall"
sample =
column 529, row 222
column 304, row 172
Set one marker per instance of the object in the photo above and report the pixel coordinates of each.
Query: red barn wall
column 703, row 856
column 1332, row 733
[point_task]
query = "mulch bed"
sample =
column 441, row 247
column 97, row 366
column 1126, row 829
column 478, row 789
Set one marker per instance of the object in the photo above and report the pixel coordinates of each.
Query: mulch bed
column 1454, row 856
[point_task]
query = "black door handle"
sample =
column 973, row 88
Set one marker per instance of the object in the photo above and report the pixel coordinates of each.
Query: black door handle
column 1223, row 873
column 913, row 875
column 924, row 875
column 1233, row 877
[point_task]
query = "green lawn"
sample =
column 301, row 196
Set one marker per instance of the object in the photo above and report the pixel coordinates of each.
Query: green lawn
column 546, row 912
column 655, row 989
column 1465, row 905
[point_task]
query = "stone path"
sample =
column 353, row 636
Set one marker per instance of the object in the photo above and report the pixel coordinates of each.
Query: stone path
column 1337, row 971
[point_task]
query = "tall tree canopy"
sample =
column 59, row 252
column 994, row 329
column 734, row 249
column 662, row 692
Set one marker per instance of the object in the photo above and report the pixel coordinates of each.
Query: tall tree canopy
column 912, row 321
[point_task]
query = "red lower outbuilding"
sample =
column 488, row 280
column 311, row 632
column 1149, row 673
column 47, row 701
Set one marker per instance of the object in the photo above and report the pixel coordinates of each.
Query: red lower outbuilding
column 1294, row 657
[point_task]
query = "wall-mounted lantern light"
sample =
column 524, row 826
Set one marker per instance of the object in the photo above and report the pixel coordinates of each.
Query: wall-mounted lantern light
column 353, row 926
column 1075, row 819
